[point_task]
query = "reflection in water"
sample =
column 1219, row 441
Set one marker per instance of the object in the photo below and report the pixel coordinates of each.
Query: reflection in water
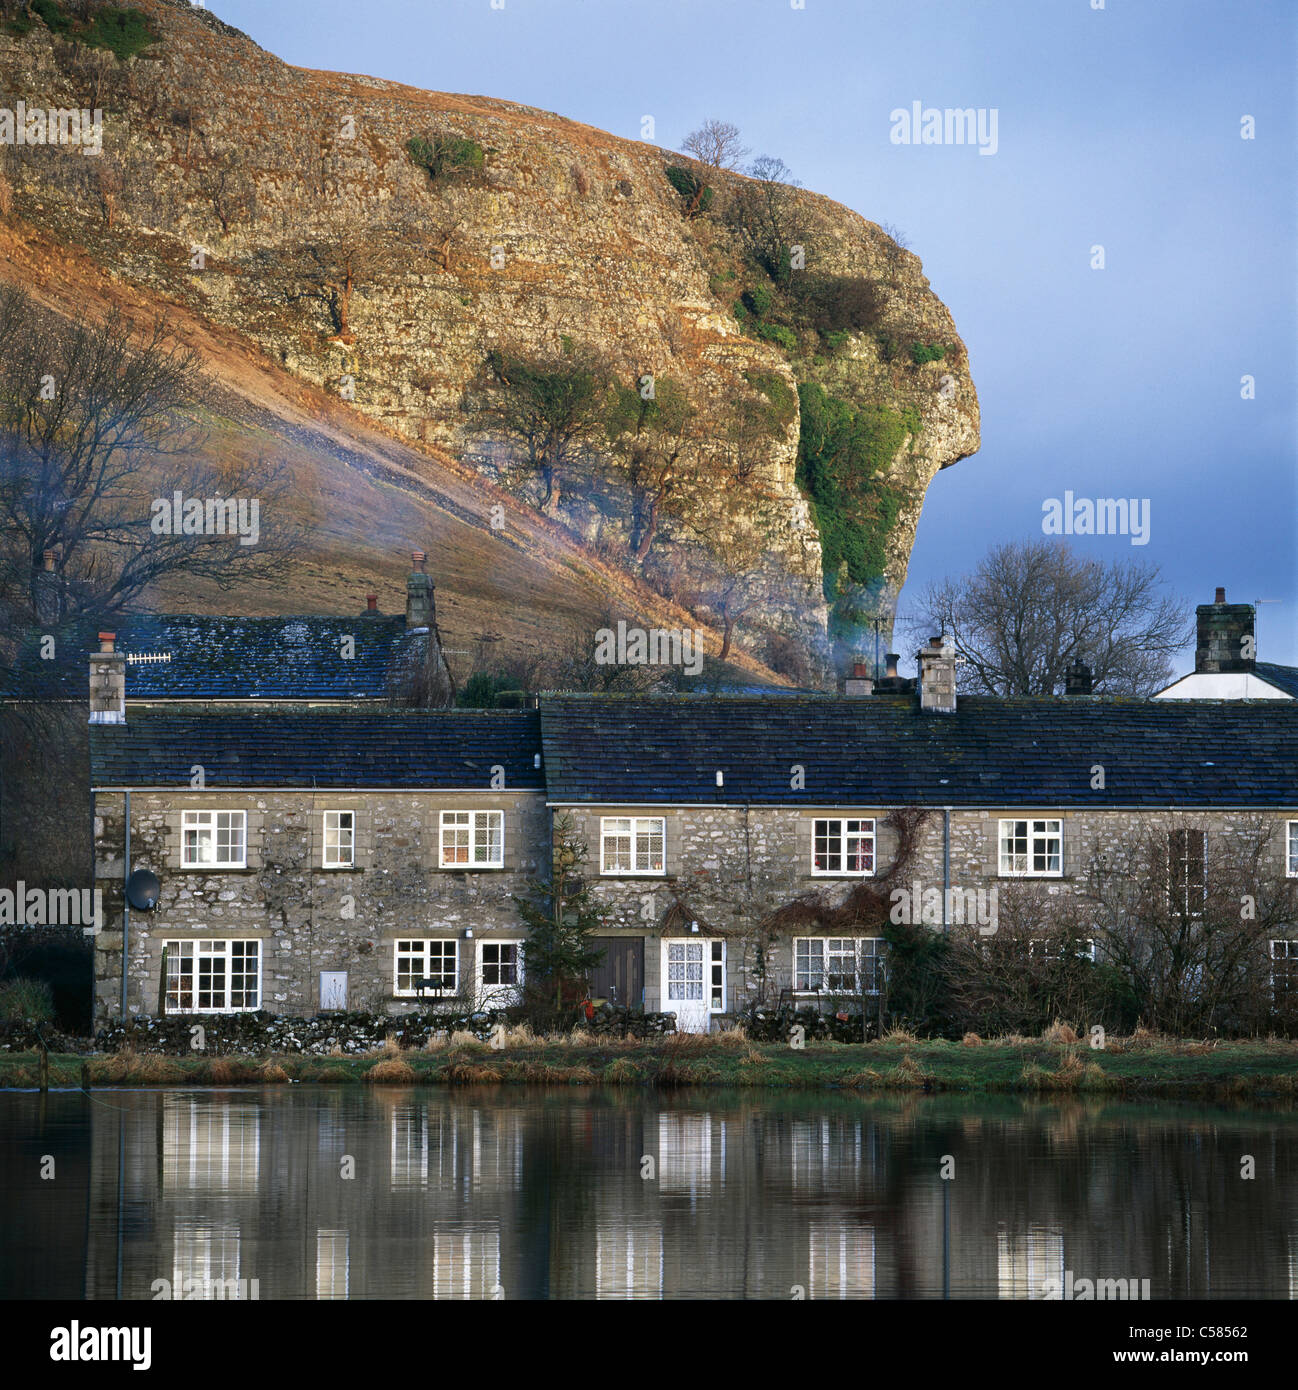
column 348, row 1192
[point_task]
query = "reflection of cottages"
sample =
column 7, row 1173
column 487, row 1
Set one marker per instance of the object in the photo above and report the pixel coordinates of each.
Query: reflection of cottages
column 840, row 1260
column 332, row 1264
column 1026, row 1259
column 209, row 1146
column 206, row 1260
column 687, row 1146
column 826, row 1155
column 429, row 1149
column 466, row 1261
column 409, row 1151
column 629, row 1259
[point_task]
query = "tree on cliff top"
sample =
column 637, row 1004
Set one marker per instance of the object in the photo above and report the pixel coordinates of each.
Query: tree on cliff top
column 716, row 144
column 1030, row 609
column 552, row 406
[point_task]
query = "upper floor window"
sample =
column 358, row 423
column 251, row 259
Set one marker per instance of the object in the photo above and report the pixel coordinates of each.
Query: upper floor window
column 1187, row 882
column 339, row 839
column 214, row 839
column 213, row 976
column 1032, row 848
column 473, row 839
column 1291, row 855
column 633, row 845
column 838, row 965
column 842, row 847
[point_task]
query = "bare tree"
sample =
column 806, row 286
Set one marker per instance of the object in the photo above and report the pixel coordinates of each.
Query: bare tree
column 655, row 440
column 92, row 434
column 229, row 188
column 551, row 405
column 1031, row 609
column 1187, row 920
column 767, row 214
column 716, row 144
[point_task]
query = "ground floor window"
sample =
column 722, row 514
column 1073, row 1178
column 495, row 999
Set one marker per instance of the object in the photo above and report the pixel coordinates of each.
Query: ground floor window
column 838, row 964
column 1284, row 972
column 500, row 970
column 213, row 976
column 426, row 965
column 1051, row 948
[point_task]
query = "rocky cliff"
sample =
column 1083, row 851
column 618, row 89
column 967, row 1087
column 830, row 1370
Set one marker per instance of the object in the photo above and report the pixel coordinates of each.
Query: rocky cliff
column 380, row 242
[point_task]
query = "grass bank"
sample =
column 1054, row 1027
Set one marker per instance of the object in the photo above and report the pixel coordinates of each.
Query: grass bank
column 1138, row 1066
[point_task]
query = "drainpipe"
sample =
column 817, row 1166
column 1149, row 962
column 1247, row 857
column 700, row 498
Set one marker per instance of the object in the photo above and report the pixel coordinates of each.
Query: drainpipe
column 126, row 905
column 946, row 869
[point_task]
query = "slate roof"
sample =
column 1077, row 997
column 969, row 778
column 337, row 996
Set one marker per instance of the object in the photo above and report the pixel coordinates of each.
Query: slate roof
column 1282, row 677
column 324, row 748
column 882, row 751
column 219, row 658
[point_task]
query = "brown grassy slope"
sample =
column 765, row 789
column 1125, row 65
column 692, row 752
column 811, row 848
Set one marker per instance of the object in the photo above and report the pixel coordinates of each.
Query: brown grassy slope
column 368, row 497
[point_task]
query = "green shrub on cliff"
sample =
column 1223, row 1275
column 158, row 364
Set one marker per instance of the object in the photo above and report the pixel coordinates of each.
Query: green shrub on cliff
column 926, row 352
column 447, row 156
column 842, row 451
column 696, row 196
column 124, row 32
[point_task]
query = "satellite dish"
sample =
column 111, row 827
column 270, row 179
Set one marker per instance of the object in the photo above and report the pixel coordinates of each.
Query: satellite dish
column 143, row 890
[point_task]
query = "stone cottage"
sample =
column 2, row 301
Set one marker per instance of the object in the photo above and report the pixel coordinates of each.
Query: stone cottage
column 320, row 854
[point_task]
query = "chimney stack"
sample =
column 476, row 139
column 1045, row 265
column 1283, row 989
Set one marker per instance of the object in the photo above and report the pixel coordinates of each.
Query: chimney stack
column 937, row 677
column 107, row 682
column 49, row 606
column 1078, row 679
column 419, row 593
column 1226, row 637
column 860, row 681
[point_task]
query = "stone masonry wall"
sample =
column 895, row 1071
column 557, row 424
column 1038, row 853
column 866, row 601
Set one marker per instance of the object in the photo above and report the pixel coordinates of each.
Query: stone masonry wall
column 310, row 918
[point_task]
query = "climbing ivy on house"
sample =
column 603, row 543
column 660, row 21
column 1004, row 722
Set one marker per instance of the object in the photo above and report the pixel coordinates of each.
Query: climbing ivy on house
column 842, row 451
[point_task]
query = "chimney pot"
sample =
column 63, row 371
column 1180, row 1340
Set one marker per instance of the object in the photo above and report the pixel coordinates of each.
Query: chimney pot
column 1078, row 679
column 372, row 602
column 890, row 670
column 47, row 561
column 106, row 640
column 420, row 558
column 1221, row 595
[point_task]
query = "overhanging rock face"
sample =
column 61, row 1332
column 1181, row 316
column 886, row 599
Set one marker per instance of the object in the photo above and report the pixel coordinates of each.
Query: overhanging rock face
column 567, row 236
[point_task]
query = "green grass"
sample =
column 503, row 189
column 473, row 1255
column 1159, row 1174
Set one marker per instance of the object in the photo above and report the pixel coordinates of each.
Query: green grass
column 1130, row 1067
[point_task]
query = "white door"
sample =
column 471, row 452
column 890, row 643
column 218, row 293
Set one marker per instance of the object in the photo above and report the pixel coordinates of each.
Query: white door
column 333, row 990
column 694, row 982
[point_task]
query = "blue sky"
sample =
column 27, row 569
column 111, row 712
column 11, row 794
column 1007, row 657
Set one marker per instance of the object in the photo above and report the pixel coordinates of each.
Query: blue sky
column 1118, row 127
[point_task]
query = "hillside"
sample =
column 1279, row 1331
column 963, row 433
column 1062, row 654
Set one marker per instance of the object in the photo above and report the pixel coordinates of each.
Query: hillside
column 346, row 286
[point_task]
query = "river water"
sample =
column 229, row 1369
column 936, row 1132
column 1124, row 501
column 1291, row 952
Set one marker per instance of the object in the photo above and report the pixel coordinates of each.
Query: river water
column 313, row 1192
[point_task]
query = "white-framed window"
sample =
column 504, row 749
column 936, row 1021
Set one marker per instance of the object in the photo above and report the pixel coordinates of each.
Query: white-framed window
column 1187, row 878
column 1284, row 971
column 339, row 839
column 426, row 965
column 209, row 977
column 842, row 846
column 1291, row 848
column 633, row 845
column 1052, row 948
column 838, row 964
column 473, row 839
column 500, row 970
column 214, row 839
column 1032, row 848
